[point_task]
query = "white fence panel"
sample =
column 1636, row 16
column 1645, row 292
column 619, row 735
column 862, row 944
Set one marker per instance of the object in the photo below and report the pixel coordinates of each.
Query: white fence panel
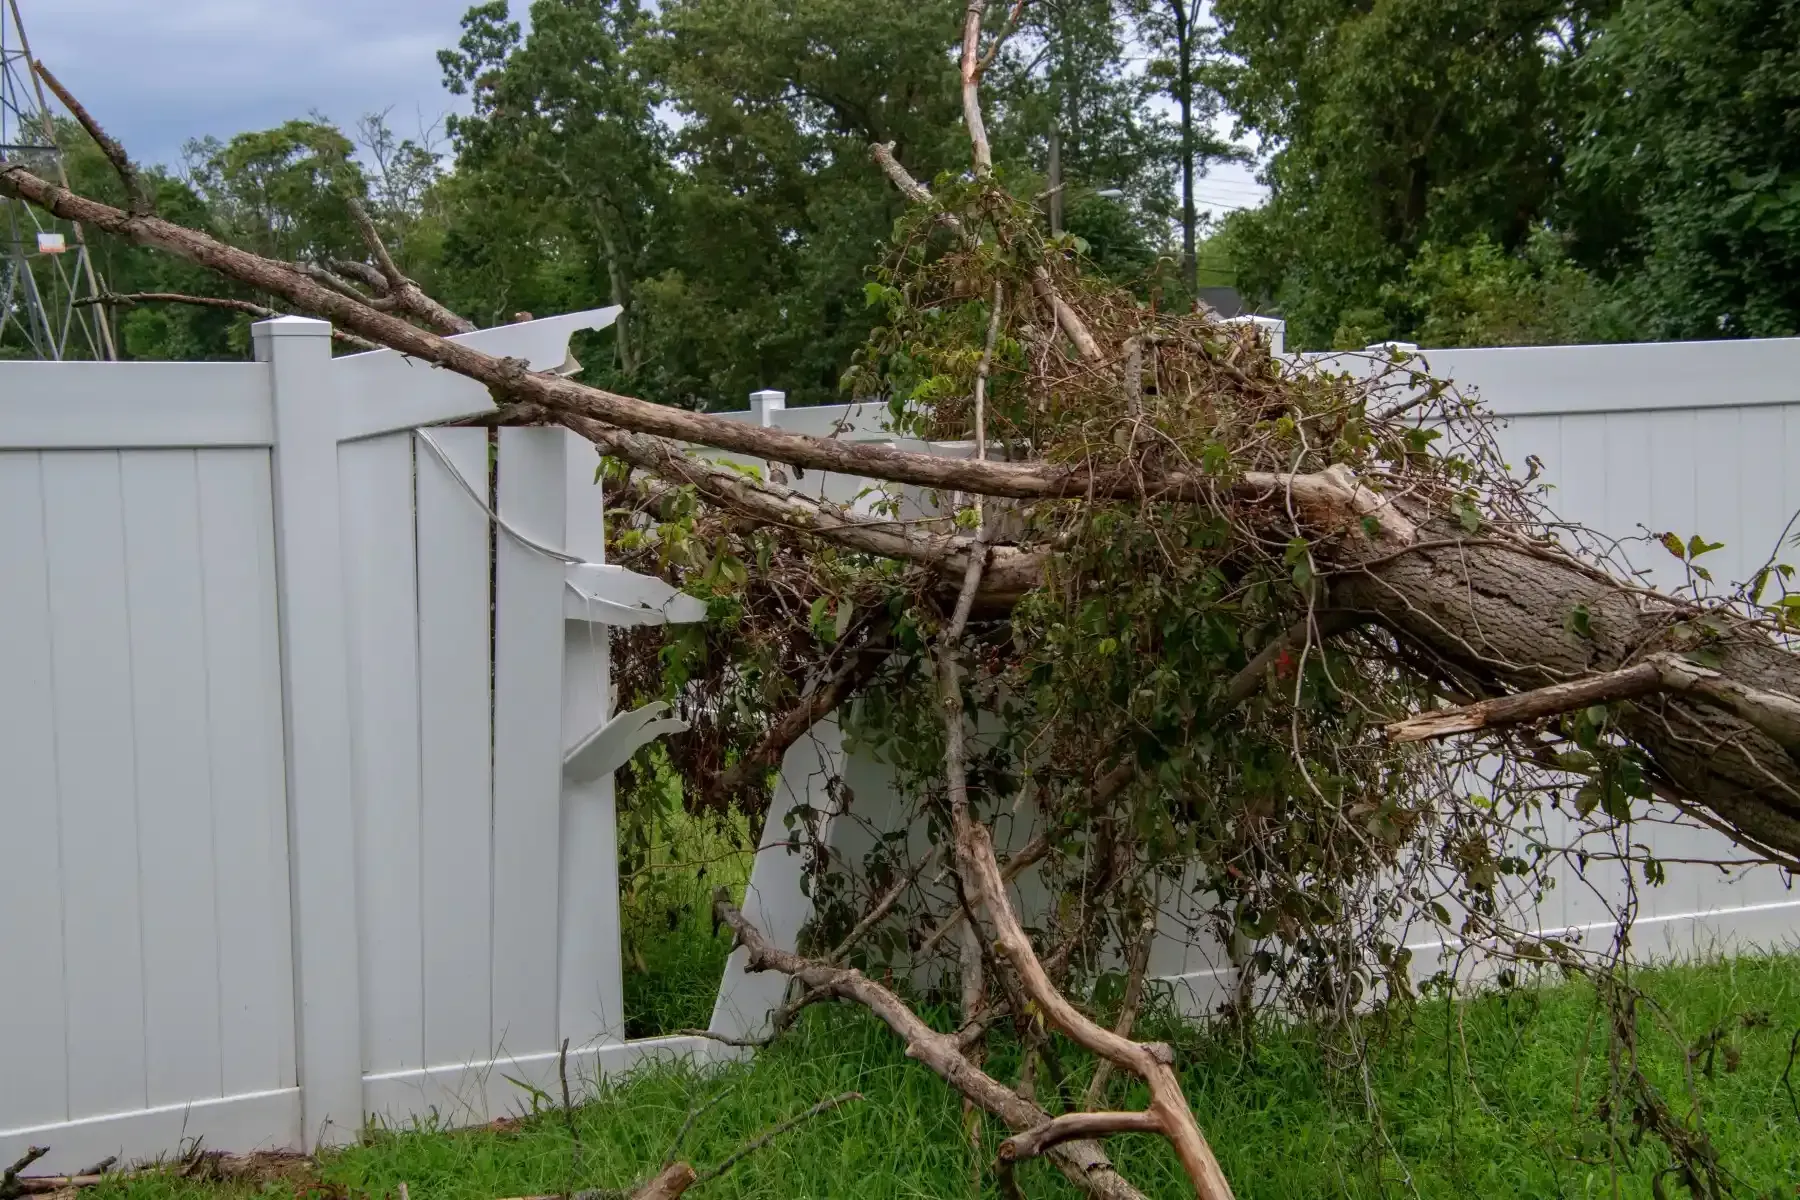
column 292, row 839
column 146, row 911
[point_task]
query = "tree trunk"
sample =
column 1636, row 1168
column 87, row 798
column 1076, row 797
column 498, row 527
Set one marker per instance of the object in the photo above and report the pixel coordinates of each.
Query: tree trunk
column 1505, row 619
column 1184, row 64
column 619, row 278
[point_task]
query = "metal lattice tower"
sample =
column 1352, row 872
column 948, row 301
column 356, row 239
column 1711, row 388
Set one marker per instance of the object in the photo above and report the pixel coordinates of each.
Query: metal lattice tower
column 44, row 264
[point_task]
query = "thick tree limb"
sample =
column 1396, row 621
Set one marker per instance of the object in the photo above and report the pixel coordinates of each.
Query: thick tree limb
column 1012, row 571
column 1082, row 1162
column 1153, row 1063
column 1018, row 480
column 971, row 89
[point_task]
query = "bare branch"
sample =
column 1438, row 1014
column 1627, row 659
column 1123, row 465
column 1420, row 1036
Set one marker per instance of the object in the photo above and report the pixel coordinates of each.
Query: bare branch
column 757, row 1143
column 1774, row 713
column 1135, row 971
column 141, row 202
column 1083, row 1163
column 971, row 89
column 1073, row 1126
column 1006, row 31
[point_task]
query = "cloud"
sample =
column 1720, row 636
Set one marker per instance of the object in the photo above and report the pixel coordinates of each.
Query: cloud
column 157, row 73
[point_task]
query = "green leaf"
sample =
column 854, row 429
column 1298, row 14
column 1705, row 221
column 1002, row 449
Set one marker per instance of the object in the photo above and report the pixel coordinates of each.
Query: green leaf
column 1698, row 545
column 1580, row 622
column 1673, row 545
column 842, row 623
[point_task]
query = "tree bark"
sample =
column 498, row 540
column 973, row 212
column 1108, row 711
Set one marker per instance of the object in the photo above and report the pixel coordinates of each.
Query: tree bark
column 1509, row 618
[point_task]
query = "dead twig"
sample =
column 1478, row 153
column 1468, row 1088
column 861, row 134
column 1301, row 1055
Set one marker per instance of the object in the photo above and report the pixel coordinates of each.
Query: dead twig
column 249, row 307
column 757, row 1143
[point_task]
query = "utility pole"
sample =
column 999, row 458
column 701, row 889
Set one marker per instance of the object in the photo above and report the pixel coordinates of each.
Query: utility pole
column 46, row 272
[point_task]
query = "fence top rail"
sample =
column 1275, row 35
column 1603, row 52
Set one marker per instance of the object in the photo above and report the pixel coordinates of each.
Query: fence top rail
column 1520, row 381
column 133, row 405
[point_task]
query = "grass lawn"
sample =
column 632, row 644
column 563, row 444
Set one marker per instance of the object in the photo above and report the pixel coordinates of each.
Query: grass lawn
column 1476, row 1099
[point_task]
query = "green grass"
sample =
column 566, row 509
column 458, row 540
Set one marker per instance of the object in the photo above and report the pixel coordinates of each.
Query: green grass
column 1476, row 1099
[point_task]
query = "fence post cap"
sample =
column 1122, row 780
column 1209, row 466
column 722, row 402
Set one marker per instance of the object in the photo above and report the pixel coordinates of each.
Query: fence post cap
column 290, row 327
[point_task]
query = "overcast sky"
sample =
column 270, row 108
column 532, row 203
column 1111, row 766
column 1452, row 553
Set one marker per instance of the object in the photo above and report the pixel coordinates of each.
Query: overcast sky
column 158, row 72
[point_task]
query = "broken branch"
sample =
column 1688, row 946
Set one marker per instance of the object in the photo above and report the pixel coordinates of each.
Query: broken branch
column 1774, row 713
column 141, row 203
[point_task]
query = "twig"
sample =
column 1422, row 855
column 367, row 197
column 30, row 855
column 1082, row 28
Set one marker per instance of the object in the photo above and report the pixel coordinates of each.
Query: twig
column 1325, row 625
column 1788, row 1071
column 562, row 1074
column 757, row 1143
column 1136, row 970
column 141, row 203
column 881, row 909
column 1006, row 31
column 687, row 1126
column 9, row 1182
column 857, row 669
column 132, row 299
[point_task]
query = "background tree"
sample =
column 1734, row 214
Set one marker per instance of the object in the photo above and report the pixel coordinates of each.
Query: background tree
column 1183, row 68
column 565, row 138
column 1396, row 126
column 1684, row 185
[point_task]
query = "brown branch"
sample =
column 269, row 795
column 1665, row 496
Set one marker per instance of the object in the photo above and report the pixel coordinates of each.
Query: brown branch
column 757, row 1143
column 565, row 397
column 407, row 296
column 1012, row 570
column 858, row 668
column 1006, row 31
column 1073, row 1126
column 1153, row 1063
column 882, row 908
column 141, row 202
column 1135, row 971
column 133, row 299
column 971, row 89
column 1774, row 713
column 1066, row 318
column 1037, row 849
column 10, row 1183
column 1083, row 1163
column 1322, row 625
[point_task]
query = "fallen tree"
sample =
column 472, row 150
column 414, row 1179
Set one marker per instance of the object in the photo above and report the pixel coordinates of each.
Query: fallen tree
column 1192, row 582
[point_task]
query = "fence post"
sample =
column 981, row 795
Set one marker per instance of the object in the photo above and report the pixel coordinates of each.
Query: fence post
column 315, row 718
column 765, row 404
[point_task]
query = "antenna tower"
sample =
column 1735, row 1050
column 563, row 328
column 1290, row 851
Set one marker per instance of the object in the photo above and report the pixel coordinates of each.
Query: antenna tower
column 44, row 264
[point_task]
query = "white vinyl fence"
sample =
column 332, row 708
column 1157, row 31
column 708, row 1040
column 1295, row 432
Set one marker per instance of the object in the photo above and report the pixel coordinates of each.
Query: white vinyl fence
column 1685, row 437
column 307, row 811
column 308, row 734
